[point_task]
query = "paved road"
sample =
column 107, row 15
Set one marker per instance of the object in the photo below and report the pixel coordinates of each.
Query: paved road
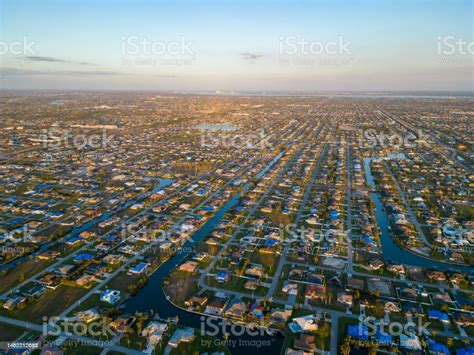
column 409, row 210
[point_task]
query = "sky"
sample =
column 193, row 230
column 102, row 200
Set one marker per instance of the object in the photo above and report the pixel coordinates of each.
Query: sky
column 223, row 45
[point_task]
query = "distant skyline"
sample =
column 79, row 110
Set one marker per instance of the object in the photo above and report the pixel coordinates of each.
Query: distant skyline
column 237, row 45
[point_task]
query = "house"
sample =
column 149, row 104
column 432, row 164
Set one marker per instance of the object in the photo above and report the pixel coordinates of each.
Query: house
column 254, row 270
column 67, row 269
column 74, row 241
column 189, row 266
column 49, row 254
column 436, row 275
column 110, row 296
column 279, row 316
column 438, row 315
column 33, row 290
column 305, row 342
column 397, row 269
column 251, row 285
column 85, row 280
column 222, row 277
column 441, row 298
column 113, row 259
column 256, row 313
column 154, row 332
column 196, row 301
column 354, row 283
column 89, row 315
column 315, row 292
column 305, row 324
column 376, row 264
column 216, row 306
column 345, row 299
column 82, row 258
column 409, row 293
column 236, row 309
column 181, row 335
column 291, row 289
column 123, row 323
column 51, row 280
column 391, row 307
column 463, row 319
column 139, row 268
column 14, row 302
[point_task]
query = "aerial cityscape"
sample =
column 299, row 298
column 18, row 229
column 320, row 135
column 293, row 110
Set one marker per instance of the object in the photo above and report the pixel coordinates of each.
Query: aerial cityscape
column 176, row 190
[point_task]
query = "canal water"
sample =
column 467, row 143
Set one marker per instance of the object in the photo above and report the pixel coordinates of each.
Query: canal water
column 391, row 251
column 151, row 296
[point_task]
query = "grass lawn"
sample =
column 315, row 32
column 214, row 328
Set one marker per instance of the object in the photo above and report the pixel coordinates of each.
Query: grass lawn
column 134, row 341
column 10, row 332
column 235, row 284
column 181, row 286
column 50, row 304
column 122, row 281
column 27, row 269
column 91, row 302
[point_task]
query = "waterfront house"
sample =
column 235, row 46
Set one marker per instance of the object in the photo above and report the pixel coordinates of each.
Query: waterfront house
column 154, row 332
column 110, row 296
column 181, row 336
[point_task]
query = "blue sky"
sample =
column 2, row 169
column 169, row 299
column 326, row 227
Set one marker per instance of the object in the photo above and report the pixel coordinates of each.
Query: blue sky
column 235, row 45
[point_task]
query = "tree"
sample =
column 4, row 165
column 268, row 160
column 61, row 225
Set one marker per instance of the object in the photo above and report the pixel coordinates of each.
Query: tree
column 345, row 347
column 324, row 332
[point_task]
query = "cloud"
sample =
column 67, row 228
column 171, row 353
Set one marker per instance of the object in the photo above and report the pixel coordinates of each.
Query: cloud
column 37, row 58
column 252, row 56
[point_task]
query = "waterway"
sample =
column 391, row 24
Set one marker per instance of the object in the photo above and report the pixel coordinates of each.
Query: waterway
column 392, row 251
column 153, row 297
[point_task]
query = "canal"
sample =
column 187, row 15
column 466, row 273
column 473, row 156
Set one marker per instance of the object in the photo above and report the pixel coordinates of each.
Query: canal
column 391, row 250
column 153, row 297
